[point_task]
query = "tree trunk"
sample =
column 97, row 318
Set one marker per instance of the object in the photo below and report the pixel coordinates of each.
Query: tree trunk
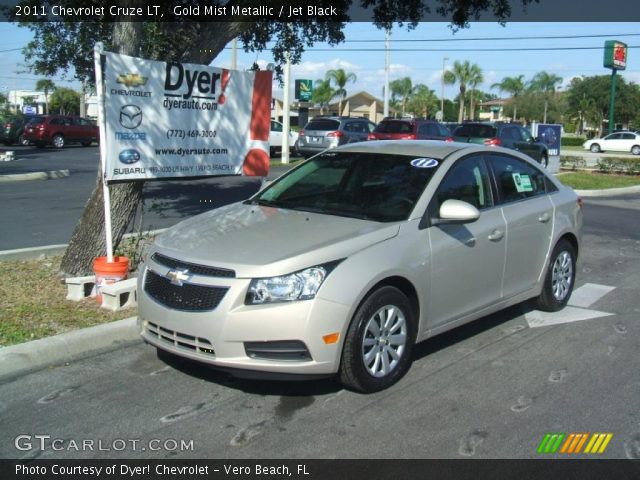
column 461, row 109
column 88, row 239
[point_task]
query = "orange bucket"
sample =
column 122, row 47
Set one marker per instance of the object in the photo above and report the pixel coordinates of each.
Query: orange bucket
column 109, row 273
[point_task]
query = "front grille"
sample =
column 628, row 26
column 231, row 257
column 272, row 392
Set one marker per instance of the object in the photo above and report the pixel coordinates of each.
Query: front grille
column 193, row 268
column 180, row 340
column 291, row 350
column 186, row 297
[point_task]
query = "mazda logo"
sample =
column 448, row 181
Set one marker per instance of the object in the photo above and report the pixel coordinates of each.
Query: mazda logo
column 130, row 116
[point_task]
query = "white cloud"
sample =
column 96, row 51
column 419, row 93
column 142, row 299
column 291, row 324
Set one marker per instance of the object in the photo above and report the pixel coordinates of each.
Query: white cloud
column 318, row 69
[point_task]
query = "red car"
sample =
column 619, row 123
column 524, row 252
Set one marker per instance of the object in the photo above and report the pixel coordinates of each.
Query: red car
column 410, row 129
column 60, row 130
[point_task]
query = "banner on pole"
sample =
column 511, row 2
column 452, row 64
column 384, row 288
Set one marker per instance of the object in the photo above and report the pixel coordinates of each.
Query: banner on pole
column 169, row 119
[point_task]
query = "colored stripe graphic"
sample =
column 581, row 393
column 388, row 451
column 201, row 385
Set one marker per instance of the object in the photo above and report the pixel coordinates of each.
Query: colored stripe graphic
column 598, row 443
column 574, row 443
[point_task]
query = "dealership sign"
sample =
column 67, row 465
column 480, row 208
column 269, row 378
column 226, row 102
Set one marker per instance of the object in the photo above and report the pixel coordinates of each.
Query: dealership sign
column 169, row 119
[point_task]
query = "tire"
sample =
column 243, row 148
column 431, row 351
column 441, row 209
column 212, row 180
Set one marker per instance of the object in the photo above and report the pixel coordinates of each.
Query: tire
column 559, row 280
column 595, row 148
column 635, row 150
column 23, row 141
column 86, row 144
column 58, row 141
column 375, row 358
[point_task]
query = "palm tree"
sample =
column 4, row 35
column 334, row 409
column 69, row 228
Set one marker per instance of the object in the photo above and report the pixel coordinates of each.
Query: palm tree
column 514, row 86
column 546, row 83
column 401, row 88
column 322, row 94
column 463, row 74
column 475, row 79
column 340, row 78
column 422, row 100
column 45, row 85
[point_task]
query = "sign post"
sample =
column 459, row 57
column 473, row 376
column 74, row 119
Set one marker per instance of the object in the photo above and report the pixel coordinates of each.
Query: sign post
column 615, row 58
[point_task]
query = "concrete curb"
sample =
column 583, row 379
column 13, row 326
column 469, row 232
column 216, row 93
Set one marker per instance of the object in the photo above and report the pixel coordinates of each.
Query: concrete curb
column 19, row 359
column 21, row 177
column 32, row 253
column 609, row 192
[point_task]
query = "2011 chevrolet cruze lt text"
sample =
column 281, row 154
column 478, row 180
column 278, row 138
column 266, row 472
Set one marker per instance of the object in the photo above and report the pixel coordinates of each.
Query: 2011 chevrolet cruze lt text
column 342, row 264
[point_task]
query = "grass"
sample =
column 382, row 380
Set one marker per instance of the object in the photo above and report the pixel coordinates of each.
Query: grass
column 596, row 181
column 33, row 304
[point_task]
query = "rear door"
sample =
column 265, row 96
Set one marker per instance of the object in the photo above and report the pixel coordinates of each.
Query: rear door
column 529, row 215
column 467, row 260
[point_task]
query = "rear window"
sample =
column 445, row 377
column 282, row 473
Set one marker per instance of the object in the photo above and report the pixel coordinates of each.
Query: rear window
column 323, row 124
column 36, row 120
column 394, row 127
column 478, row 131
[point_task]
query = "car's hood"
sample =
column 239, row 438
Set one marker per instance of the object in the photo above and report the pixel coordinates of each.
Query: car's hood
column 260, row 241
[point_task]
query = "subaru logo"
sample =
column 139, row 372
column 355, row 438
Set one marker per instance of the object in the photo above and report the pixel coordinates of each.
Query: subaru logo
column 129, row 156
column 130, row 116
column 177, row 277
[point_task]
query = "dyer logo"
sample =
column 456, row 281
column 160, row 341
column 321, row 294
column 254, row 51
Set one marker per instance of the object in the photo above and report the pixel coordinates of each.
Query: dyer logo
column 129, row 156
column 197, row 84
column 130, row 116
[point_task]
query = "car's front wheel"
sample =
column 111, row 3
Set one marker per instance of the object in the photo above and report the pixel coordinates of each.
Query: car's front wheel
column 561, row 275
column 595, row 148
column 58, row 141
column 379, row 342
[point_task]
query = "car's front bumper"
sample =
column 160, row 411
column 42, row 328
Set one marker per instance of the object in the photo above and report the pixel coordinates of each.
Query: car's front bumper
column 221, row 337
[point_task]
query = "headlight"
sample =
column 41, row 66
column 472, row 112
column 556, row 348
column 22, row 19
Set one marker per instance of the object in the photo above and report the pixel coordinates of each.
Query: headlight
column 301, row 285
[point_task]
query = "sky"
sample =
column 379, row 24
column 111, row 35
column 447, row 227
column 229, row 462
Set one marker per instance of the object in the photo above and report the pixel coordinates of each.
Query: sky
column 422, row 66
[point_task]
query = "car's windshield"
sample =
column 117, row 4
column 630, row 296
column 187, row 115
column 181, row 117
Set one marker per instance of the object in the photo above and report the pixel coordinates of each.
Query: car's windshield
column 369, row 186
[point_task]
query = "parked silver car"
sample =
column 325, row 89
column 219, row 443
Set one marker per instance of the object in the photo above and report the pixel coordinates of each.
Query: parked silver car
column 342, row 264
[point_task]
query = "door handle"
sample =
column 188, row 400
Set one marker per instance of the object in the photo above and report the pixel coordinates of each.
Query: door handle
column 544, row 218
column 496, row 235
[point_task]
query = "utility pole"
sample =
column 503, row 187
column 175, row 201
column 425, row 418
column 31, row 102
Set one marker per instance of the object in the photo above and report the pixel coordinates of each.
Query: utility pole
column 444, row 61
column 286, row 112
column 234, row 54
column 387, row 66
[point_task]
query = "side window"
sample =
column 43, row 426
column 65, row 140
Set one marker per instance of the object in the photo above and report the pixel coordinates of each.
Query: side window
column 57, row 121
column 517, row 180
column 276, row 127
column 423, row 129
column 371, row 127
column 468, row 180
column 628, row 136
column 525, row 135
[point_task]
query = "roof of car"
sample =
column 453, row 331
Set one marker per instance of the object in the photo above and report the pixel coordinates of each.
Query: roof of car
column 431, row 148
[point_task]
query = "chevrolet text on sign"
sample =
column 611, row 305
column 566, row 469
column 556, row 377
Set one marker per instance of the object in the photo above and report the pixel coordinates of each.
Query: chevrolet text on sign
column 169, row 119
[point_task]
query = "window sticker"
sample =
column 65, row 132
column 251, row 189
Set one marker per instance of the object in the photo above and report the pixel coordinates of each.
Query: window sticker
column 522, row 182
column 424, row 163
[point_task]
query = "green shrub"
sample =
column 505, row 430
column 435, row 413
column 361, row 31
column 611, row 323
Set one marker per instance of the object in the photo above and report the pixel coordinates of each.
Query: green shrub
column 572, row 141
column 618, row 165
column 572, row 162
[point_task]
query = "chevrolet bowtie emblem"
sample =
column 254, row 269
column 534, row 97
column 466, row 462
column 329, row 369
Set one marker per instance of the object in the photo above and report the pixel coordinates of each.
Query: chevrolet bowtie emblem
column 131, row 79
column 177, row 277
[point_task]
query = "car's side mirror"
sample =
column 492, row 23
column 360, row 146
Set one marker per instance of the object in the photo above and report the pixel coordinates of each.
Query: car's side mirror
column 456, row 211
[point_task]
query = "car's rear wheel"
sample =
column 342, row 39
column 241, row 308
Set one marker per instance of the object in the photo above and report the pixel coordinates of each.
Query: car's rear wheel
column 561, row 275
column 58, row 141
column 595, row 148
column 635, row 149
column 377, row 348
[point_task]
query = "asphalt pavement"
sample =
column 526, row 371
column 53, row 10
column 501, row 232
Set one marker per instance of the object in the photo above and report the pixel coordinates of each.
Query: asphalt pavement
column 491, row 389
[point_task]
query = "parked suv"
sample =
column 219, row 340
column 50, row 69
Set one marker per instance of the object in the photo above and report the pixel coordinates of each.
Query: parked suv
column 329, row 132
column 413, row 129
column 508, row 135
column 59, row 130
column 12, row 128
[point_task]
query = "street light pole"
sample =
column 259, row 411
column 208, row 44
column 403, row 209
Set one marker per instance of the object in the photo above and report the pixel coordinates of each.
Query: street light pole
column 387, row 62
column 444, row 61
